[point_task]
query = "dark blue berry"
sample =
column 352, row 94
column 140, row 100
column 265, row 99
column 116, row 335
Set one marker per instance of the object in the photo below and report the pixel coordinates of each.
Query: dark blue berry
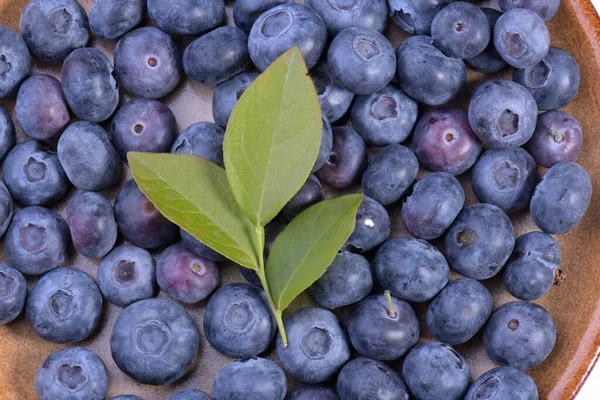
column 227, row 95
column 191, row 394
column 313, row 392
column 250, row 379
column 341, row 14
column 546, row 8
column 415, row 16
column 488, row 61
column 503, row 383
column 326, row 145
column 7, row 133
column 364, row 378
column 15, row 62
column 334, row 99
column 199, row 248
column 347, row 160
column 245, row 12
column 558, row 137
column 13, row 291
column 111, row 19
column 186, row 17
column 309, row 194
column 202, row 139
column 373, row 227
column 6, row 208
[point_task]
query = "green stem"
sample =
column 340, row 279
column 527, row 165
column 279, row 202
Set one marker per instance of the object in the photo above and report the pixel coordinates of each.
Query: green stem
column 391, row 311
column 260, row 236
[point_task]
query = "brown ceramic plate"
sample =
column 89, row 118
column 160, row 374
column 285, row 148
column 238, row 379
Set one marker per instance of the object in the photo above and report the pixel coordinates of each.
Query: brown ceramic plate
column 575, row 305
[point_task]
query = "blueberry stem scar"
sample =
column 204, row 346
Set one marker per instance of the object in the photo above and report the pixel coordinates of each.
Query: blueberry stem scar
column 390, row 306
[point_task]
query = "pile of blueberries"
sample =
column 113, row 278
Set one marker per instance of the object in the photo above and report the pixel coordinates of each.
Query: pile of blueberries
column 374, row 93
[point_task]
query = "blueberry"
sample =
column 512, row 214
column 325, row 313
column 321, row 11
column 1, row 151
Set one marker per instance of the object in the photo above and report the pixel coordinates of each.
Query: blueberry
column 460, row 30
column 317, row 345
column 13, row 291
column 186, row 17
column 415, row 16
column 309, row 194
column 505, row 178
column 250, row 379
column 7, row 133
column 238, row 322
column 185, row 276
column 528, row 279
column 313, row 392
column 346, row 281
column 272, row 231
column 341, row 14
column 373, row 227
column 444, row 141
column 148, row 63
column 468, row 246
column 554, row 81
column 459, row 311
column 191, row 394
column 15, row 62
column 502, row 113
column 88, row 157
column 111, row 19
column 64, row 306
column 283, row 27
column 364, row 378
column 251, row 276
column 326, row 145
column 6, row 209
column 361, row 60
column 154, row 341
column 202, row 139
column 74, row 373
column 503, row 383
column 37, row 240
column 91, row 219
column 41, row 108
column 411, row 269
column 126, row 275
column 33, row 174
column 561, row 199
column 521, row 38
column 246, row 12
column 217, row 56
column 434, row 371
column 558, row 137
column 434, row 204
column 538, row 246
column 390, row 174
column 227, row 95
column 143, row 125
column 545, row 8
column 383, row 327
column 347, row 161
column 126, row 397
column 519, row 334
column 89, row 85
column 384, row 117
column 199, row 248
column 140, row 222
column 488, row 61
column 426, row 74
column 334, row 99
column 54, row 28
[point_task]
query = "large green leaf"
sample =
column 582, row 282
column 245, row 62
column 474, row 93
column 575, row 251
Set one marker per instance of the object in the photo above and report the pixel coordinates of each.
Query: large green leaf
column 194, row 194
column 273, row 138
column 308, row 245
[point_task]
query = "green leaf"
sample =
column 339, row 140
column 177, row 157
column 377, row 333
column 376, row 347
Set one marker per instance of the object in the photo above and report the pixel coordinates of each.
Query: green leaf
column 194, row 194
column 273, row 138
column 308, row 245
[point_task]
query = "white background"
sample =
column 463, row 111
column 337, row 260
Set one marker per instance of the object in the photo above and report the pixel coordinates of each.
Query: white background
column 592, row 386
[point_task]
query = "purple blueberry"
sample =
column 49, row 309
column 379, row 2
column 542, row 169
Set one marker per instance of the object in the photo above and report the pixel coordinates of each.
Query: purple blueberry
column 503, row 383
column 250, row 379
column 426, row 74
column 561, row 199
column 505, row 178
column 341, row 14
column 186, row 17
column 519, row 334
column 558, row 137
column 415, row 16
column 126, row 275
column 545, row 8
column 91, row 220
column 217, row 56
column 41, row 108
column 54, row 28
column 334, row 99
column 202, row 139
column 554, row 81
column 433, row 205
column 140, row 223
column 364, row 378
column 33, row 174
column 148, row 63
column 89, row 85
column 326, row 145
column 227, row 95
column 15, row 62
column 13, row 291
column 7, row 133
column 37, row 240
column 143, row 125
column 503, row 113
column 384, row 117
column 191, row 394
column 111, row 19
column 6, row 208
column 347, row 161
column 199, row 248
column 468, row 246
column 313, row 392
column 309, row 194
column 88, row 157
column 444, row 141
column 245, row 12
column 488, row 61
column 373, row 227
column 185, row 276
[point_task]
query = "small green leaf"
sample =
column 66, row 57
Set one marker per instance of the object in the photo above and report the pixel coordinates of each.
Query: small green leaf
column 194, row 194
column 273, row 138
column 308, row 245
